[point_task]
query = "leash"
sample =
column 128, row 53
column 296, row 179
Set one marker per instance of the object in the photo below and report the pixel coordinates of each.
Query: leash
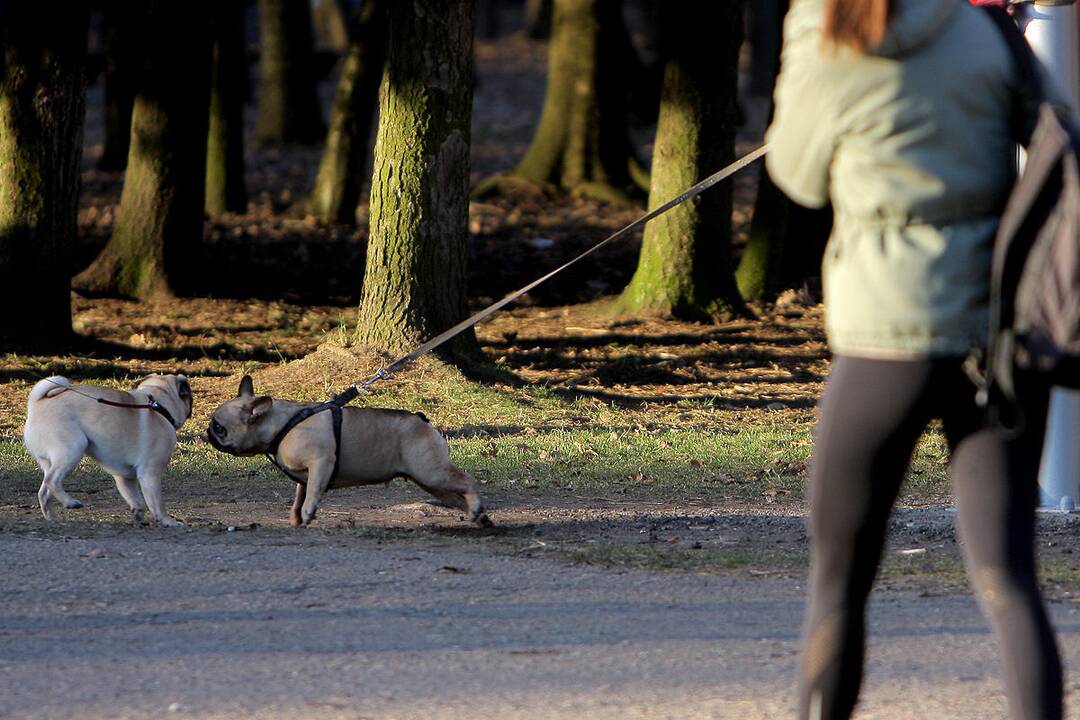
column 152, row 405
column 385, row 371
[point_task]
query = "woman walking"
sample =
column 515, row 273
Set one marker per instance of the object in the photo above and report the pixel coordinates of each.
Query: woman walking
column 898, row 112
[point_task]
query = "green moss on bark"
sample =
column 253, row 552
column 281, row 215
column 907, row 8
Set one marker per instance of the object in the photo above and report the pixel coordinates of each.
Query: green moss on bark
column 684, row 269
column 414, row 279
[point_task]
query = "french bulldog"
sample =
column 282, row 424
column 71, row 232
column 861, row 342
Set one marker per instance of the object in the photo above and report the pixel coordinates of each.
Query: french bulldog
column 376, row 446
column 64, row 422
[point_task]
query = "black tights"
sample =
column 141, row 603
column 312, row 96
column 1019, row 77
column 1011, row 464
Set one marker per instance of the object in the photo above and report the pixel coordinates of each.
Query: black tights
column 872, row 414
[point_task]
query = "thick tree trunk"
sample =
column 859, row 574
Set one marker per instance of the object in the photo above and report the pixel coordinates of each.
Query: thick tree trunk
column 288, row 99
column 786, row 241
column 157, row 236
column 538, row 18
column 582, row 143
column 414, row 280
column 42, row 110
column 225, row 188
column 122, row 25
column 340, row 178
column 685, row 265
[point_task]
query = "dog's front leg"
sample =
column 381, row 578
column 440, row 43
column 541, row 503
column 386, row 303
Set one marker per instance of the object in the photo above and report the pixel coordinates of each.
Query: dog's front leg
column 298, row 503
column 318, row 477
column 150, row 484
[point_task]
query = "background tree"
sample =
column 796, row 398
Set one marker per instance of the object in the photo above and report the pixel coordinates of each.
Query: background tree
column 121, row 34
column 414, row 279
column 225, row 188
column 158, row 233
column 786, row 241
column 340, row 178
column 42, row 110
column 582, row 144
column 538, row 18
column 685, row 265
column 289, row 109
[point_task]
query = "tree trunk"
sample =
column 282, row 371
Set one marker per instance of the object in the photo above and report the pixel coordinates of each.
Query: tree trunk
column 225, row 188
column 414, row 280
column 340, row 178
column 289, row 109
column 122, row 25
column 158, row 233
column 538, row 18
column 581, row 144
column 42, row 110
column 787, row 241
column 684, row 269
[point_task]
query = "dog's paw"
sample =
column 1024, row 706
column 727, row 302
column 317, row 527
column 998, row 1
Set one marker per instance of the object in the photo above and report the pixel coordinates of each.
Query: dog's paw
column 483, row 520
column 72, row 504
column 306, row 516
column 294, row 518
column 169, row 522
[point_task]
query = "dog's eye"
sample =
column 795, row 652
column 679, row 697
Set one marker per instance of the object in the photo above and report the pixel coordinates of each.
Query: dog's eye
column 218, row 429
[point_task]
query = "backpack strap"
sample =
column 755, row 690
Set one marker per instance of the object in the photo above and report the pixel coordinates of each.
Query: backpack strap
column 1029, row 90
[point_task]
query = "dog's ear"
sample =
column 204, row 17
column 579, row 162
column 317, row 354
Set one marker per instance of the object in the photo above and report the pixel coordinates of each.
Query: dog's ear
column 247, row 387
column 183, row 387
column 259, row 407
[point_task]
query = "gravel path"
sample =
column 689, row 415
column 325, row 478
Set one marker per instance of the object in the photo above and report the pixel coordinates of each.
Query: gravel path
column 295, row 625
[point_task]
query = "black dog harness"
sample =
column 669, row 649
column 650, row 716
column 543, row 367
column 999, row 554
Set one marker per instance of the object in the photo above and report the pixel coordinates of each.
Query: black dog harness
column 334, row 406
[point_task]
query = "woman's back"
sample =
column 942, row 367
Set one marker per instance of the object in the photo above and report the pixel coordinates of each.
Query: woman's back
column 911, row 143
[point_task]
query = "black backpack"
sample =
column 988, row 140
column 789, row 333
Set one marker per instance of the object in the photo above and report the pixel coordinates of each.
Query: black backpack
column 1035, row 287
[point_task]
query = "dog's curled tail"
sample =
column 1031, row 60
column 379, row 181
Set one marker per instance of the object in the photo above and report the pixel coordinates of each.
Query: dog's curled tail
column 48, row 388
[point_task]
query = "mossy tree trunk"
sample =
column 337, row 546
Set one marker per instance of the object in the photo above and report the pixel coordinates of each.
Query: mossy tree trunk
column 340, row 179
column 158, row 234
column 582, row 144
column 414, row 279
column 225, row 187
column 786, row 241
column 42, row 110
column 122, row 27
column 289, row 109
column 684, row 269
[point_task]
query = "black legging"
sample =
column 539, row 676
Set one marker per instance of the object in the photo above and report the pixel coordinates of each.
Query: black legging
column 872, row 414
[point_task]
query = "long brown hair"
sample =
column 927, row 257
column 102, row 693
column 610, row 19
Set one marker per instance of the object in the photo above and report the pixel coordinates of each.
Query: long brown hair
column 859, row 24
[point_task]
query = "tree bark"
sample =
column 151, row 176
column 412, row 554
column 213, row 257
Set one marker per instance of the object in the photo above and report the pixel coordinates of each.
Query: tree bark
column 289, row 109
column 787, row 241
column 225, row 187
column 121, row 23
column 582, row 144
column 158, row 233
column 42, row 110
column 684, row 269
column 538, row 18
column 414, row 279
column 340, row 178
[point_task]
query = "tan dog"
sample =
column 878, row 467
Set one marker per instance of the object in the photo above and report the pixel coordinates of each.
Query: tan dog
column 376, row 446
column 64, row 422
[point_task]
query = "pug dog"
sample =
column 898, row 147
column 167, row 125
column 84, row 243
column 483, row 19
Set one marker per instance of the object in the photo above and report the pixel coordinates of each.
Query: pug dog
column 64, row 422
column 376, row 446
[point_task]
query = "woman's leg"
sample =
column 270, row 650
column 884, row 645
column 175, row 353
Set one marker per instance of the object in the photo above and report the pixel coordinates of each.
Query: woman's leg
column 995, row 477
column 871, row 415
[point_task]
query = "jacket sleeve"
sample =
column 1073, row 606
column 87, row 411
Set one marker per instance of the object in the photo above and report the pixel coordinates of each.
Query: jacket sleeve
column 803, row 133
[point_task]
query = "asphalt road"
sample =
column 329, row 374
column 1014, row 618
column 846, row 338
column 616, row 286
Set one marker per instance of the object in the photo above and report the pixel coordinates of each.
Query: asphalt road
column 271, row 625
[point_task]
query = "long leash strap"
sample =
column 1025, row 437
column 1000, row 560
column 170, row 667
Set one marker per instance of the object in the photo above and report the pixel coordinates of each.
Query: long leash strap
column 354, row 390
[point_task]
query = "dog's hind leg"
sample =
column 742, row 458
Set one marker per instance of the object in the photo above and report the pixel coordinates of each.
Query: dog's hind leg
column 58, row 470
column 456, row 487
column 45, row 499
column 129, row 490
